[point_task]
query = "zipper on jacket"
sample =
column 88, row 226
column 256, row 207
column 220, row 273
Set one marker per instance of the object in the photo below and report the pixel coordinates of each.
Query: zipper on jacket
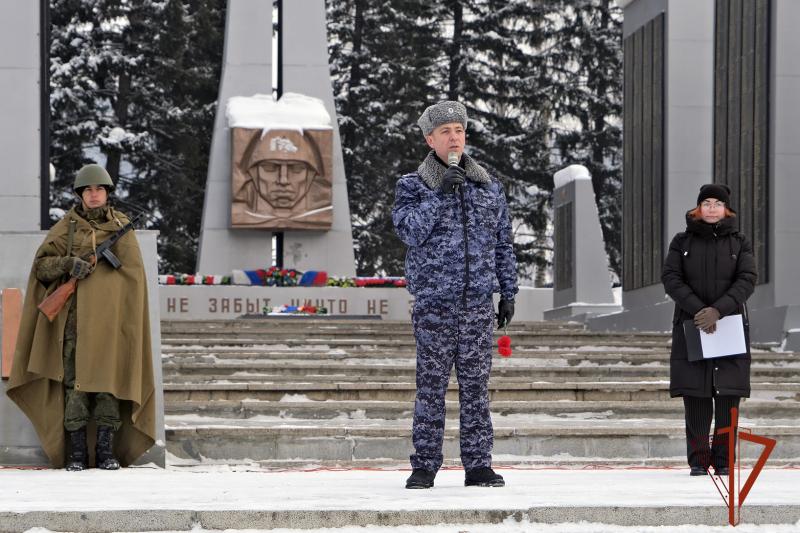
column 714, row 390
column 466, row 246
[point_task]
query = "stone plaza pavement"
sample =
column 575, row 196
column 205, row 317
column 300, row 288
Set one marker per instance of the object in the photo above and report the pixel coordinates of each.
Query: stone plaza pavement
column 224, row 497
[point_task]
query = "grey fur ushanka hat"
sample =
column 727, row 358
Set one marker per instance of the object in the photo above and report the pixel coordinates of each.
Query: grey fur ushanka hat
column 442, row 113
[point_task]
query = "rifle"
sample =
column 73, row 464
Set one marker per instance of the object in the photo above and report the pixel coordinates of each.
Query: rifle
column 53, row 304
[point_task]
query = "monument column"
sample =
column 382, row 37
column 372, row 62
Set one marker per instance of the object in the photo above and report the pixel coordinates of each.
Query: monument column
column 224, row 244
column 246, row 70
column 20, row 111
column 306, row 70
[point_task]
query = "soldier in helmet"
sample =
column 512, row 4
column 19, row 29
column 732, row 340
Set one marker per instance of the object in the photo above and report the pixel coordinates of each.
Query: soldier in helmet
column 91, row 367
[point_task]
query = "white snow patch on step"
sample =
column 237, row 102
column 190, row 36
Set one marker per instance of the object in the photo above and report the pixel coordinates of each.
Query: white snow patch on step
column 294, row 398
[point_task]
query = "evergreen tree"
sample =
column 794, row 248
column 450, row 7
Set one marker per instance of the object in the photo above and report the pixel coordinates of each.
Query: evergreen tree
column 390, row 62
column 383, row 62
column 87, row 66
column 494, row 66
column 133, row 86
column 588, row 62
column 541, row 80
column 185, row 78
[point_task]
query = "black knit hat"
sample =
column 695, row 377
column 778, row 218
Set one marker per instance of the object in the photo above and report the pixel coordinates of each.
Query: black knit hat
column 719, row 191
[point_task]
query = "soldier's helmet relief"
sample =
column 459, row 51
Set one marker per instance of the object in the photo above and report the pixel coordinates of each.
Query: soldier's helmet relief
column 282, row 165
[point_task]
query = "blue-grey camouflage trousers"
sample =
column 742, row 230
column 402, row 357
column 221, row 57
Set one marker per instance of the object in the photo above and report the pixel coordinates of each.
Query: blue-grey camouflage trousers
column 448, row 334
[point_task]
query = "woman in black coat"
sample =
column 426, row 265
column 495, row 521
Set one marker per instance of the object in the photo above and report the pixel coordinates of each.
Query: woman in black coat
column 709, row 272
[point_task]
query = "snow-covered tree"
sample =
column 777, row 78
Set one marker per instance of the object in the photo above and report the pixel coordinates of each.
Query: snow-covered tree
column 541, row 80
column 384, row 66
column 495, row 66
column 391, row 61
column 133, row 86
column 588, row 62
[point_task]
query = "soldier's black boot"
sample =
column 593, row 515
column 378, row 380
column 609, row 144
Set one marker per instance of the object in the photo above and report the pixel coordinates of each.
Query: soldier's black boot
column 78, row 458
column 420, row 479
column 483, row 477
column 104, row 450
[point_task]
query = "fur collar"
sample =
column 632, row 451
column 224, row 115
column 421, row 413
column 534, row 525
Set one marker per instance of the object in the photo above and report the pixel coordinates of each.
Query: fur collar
column 432, row 171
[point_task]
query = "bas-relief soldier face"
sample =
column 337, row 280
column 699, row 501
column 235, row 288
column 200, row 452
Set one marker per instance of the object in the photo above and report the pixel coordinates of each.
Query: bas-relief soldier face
column 281, row 183
column 281, row 179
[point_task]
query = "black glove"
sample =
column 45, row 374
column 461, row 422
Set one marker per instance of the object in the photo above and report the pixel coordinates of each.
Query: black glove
column 505, row 312
column 706, row 318
column 453, row 176
column 77, row 267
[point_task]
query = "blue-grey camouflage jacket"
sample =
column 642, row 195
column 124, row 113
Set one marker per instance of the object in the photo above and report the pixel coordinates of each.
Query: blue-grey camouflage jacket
column 432, row 225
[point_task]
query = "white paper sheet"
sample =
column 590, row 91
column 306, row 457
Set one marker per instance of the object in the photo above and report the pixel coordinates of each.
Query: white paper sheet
column 727, row 340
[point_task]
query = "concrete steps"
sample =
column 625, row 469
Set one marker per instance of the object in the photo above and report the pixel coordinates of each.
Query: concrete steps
column 248, row 370
column 341, row 392
column 500, row 389
column 387, row 410
column 351, row 441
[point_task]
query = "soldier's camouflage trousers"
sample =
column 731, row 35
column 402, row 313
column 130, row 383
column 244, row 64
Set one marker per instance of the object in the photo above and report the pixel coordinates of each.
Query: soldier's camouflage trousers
column 78, row 405
column 448, row 334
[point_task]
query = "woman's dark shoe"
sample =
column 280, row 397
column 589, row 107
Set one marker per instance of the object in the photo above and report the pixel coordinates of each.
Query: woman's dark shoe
column 78, row 458
column 722, row 471
column 420, row 479
column 698, row 471
column 104, row 450
column 483, row 477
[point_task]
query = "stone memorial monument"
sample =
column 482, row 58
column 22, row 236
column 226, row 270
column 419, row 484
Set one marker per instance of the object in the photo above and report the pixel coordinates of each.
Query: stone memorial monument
column 710, row 95
column 281, row 174
column 276, row 164
column 581, row 280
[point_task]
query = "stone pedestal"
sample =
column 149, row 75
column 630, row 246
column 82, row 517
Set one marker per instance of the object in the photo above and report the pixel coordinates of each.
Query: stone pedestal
column 246, row 70
column 581, row 278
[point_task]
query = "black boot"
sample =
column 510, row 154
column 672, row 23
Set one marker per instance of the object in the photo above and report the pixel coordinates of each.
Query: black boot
column 698, row 471
column 78, row 458
column 483, row 477
column 103, row 451
column 420, row 479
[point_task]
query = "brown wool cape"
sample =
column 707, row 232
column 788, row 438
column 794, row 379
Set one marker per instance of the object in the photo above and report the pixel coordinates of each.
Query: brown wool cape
column 113, row 352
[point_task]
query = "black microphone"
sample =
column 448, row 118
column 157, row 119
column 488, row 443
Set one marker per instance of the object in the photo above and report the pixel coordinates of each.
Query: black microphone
column 452, row 159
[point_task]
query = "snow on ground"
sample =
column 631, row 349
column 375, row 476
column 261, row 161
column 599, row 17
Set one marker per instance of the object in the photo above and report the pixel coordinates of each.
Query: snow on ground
column 221, row 488
column 517, row 527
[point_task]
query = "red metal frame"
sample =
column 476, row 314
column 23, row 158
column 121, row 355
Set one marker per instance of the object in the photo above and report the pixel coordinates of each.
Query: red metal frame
column 769, row 445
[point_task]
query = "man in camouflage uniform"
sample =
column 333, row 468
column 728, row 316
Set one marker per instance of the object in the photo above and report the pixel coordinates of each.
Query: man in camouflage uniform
column 455, row 221
column 92, row 185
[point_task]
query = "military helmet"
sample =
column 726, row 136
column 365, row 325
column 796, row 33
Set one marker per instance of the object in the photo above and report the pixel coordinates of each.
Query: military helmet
column 92, row 175
column 285, row 145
